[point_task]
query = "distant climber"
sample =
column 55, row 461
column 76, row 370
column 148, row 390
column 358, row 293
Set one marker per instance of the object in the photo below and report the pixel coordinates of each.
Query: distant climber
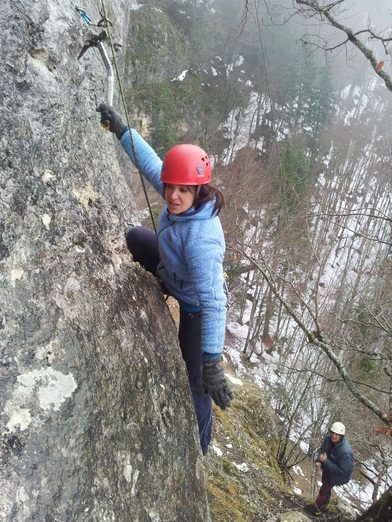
column 335, row 458
column 187, row 259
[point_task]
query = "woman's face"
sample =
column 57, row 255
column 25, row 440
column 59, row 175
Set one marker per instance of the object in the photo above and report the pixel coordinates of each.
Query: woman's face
column 179, row 198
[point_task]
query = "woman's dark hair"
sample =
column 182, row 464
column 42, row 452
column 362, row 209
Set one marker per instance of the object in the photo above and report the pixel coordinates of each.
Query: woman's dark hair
column 206, row 193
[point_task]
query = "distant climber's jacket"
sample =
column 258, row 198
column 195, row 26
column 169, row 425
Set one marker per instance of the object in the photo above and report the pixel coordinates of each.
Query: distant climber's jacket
column 191, row 248
column 340, row 462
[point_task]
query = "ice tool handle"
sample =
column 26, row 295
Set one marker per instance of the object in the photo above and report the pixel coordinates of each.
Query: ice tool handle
column 97, row 42
column 109, row 69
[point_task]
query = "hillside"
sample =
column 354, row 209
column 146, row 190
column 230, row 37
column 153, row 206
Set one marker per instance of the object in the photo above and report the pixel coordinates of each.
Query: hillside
column 222, row 103
column 244, row 481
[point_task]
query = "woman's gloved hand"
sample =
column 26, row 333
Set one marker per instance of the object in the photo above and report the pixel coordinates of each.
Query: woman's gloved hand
column 111, row 119
column 215, row 383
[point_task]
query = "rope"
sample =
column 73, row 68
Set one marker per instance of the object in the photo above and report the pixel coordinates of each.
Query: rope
column 126, row 112
column 270, row 97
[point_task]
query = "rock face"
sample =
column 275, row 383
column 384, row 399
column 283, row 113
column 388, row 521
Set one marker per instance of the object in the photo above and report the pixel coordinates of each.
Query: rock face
column 97, row 418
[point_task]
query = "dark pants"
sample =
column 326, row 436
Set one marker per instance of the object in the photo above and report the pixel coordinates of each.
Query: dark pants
column 324, row 495
column 143, row 245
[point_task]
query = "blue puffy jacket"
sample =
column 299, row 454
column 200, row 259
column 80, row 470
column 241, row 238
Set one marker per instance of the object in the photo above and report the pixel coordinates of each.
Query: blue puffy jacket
column 191, row 248
column 340, row 462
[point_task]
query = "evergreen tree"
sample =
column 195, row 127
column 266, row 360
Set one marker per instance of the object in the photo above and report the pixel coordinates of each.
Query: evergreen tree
column 321, row 102
column 294, row 173
column 163, row 130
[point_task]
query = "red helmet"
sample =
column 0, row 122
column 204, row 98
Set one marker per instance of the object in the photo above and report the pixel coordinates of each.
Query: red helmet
column 186, row 165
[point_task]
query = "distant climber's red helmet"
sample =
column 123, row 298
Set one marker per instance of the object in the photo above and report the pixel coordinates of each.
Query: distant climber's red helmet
column 186, row 165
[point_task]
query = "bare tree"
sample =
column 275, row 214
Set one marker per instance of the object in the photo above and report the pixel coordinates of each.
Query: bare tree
column 314, row 267
column 329, row 12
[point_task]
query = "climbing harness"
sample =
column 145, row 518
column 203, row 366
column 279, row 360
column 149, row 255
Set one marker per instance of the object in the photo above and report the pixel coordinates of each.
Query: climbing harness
column 97, row 41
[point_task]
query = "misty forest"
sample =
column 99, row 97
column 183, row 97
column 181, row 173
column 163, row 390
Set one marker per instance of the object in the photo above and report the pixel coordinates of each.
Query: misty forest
column 292, row 100
column 298, row 123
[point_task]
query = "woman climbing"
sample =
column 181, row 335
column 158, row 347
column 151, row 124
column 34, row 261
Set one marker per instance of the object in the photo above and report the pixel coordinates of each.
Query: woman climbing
column 186, row 255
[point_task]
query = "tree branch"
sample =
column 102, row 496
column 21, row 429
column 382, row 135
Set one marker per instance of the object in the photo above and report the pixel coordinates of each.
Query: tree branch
column 333, row 380
column 316, row 339
column 317, row 9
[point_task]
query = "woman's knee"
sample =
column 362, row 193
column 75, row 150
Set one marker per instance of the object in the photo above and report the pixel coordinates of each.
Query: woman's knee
column 134, row 238
column 143, row 245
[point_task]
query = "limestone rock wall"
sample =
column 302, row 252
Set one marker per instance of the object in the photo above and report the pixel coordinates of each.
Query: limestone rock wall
column 97, row 420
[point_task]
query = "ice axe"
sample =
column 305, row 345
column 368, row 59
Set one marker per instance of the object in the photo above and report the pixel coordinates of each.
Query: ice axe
column 96, row 40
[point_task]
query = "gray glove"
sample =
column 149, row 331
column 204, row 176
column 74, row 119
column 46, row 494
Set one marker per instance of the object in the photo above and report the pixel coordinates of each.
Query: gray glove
column 111, row 119
column 215, row 383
